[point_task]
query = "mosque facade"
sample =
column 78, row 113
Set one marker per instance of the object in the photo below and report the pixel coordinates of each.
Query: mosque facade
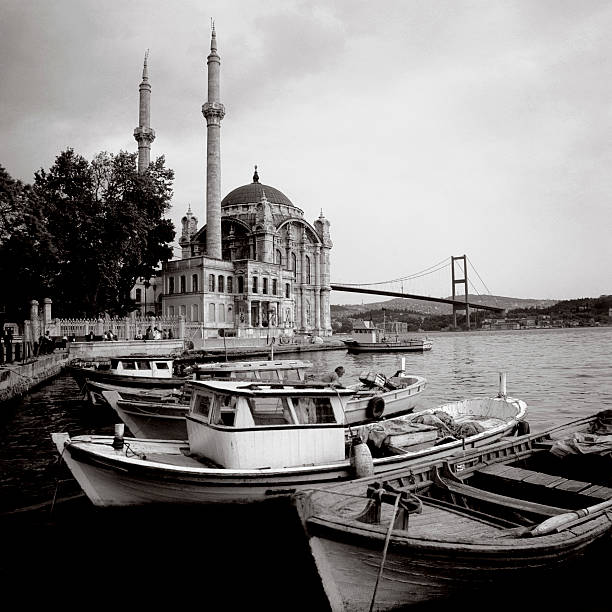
column 257, row 267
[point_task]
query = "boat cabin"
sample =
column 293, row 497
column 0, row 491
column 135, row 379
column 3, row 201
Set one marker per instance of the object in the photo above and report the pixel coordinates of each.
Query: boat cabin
column 281, row 370
column 242, row 425
column 364, row 331
column 150, row 367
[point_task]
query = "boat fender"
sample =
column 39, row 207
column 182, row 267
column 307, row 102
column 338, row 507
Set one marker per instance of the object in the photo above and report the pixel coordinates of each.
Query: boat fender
column 522, row 428
column 361, row 458
column 375, row 408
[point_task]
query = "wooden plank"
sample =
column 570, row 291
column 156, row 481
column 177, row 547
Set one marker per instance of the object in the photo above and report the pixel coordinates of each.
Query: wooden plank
column 532, row 477
column 504, row 500
column 575, row 486
column 546, row 480
column 598, row 491
column 496, row 469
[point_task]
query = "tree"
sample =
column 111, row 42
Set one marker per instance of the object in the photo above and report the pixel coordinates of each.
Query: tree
column 89, row 231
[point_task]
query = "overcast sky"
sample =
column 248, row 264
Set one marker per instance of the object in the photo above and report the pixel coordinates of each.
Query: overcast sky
column 422, row 129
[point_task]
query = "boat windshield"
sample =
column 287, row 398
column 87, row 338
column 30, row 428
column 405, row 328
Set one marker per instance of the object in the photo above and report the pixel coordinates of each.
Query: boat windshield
column 270, row 410
column 144, row 365
column 313, row 410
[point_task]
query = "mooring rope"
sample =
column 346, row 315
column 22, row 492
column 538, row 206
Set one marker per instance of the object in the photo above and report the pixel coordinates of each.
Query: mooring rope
column 384, row 558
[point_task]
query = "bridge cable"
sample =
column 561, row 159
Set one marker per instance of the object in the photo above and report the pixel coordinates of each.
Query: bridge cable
column 438, row 266
column 478, row 275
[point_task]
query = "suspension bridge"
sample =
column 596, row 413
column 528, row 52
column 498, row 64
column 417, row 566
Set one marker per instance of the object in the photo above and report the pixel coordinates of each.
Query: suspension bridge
column 459, row 279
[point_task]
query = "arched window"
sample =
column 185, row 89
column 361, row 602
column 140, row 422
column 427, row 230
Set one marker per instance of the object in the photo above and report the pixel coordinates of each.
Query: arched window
column 294, row 264
column 255, row 289
column 195, row 312
column 264, row 287
column 183, row 284
column 241, row 284
column 183, row 309
column 221, row 313
column 171, row 284
column 220, row 284
column 278, row 257
column 307, row 271
column 287, row 290
column 211, row 282
column 274, row 286
column 230, row 284
column 194, row 284
column 138, row 295
column 211, row 312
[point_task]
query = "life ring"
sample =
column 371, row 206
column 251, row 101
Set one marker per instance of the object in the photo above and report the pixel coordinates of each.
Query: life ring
column 522, row 428
column 375, row 408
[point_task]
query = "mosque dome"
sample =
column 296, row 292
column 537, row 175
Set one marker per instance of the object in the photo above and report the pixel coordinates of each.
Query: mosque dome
column 252, row 194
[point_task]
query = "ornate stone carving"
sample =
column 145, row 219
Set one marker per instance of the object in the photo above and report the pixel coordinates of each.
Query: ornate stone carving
column 144, row 135
column 213, row 112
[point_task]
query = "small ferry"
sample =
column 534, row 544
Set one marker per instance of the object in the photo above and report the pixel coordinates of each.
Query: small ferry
column 250, row 442
column 372, row 339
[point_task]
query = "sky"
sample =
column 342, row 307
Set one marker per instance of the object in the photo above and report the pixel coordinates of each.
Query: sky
column 422, row 129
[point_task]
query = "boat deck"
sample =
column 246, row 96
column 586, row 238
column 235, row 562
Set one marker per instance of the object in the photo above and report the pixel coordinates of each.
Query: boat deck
column 509, row 473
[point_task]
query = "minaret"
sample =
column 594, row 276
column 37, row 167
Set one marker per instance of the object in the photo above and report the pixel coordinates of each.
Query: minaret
column 213, row 111
column 144, row 134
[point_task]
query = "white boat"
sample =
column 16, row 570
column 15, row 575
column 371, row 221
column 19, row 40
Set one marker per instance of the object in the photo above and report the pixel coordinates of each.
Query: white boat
column 374, row 397
column 142, row 371
column 174, row 390
column 251, row 442
column 368, row 338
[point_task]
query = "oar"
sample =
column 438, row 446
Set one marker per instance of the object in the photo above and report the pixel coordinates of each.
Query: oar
column 561, row 521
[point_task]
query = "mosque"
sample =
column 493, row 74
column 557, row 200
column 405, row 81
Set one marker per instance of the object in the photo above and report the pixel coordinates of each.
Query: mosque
column 257, row 266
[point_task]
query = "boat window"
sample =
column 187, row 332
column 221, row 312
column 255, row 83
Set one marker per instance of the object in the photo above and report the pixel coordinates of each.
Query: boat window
column 129, row 365
column 144, row 365
column 269, row 375
column 313, row 410
column 202, row 405
column 270, row 410
column 224, row 411
column 161, row 365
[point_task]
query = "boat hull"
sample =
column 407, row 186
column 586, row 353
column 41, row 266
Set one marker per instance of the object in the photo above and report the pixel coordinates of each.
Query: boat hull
column 82, row 375
column 388, row 347
column 157, row 471
column 450, row 550
column 151, row 420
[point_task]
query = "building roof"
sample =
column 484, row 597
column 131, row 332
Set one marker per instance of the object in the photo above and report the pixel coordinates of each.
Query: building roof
column 252, row 194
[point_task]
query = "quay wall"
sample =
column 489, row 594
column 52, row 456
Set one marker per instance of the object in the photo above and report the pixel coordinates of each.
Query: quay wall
column 19, row 378
column 106, row 349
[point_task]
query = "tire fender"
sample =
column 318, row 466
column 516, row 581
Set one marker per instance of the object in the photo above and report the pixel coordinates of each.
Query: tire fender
column 375, row 408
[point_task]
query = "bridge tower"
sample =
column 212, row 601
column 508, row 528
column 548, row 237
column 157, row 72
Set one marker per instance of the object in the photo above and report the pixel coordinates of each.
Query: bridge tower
column 460, row 281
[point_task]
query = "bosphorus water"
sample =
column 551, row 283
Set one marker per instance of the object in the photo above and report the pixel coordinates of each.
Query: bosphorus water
column 562, row 375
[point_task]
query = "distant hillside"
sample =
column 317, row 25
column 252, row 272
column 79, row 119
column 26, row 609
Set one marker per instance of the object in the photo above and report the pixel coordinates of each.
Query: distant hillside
column 433, row 308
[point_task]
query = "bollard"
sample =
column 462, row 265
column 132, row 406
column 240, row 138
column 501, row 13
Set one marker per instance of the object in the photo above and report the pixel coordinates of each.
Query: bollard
column 118, row 440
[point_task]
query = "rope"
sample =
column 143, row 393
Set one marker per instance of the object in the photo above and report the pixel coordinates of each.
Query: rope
column 384, row 558
column 57, row 481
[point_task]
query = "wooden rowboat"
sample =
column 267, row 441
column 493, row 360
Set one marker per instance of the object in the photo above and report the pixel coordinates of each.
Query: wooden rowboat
column 451, row 527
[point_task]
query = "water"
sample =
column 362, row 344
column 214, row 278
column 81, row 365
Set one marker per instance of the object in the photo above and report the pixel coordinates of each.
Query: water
column 561, row 374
